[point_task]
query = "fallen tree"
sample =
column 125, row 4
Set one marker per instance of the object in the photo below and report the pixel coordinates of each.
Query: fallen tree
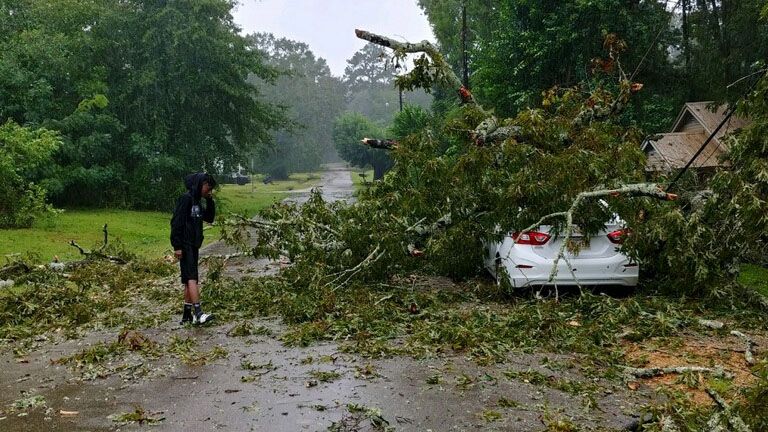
column 481, row 173
column 456, row 179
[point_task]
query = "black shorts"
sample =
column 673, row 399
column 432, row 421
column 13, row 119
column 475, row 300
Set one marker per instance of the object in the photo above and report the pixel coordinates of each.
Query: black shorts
column 188, row 264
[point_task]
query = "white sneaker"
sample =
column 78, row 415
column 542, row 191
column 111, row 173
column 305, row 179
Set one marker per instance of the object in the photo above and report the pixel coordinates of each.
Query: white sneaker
column 202, row 318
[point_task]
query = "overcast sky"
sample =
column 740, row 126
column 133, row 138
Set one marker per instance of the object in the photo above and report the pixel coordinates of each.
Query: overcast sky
column 328, row 26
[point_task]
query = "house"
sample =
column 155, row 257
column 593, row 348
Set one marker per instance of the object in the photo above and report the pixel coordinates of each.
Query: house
column 694, row 124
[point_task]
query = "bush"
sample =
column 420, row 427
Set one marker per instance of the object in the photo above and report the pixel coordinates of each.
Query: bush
column 23, row 152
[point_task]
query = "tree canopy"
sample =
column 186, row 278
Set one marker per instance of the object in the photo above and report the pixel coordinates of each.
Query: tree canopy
column 348, row 130
column 24, row 153
column 141, row 92
column 518, row 49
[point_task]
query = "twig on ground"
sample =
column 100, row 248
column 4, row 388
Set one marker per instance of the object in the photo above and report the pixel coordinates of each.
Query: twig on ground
column 733, row 419
column 748, row 356
column 718, row 371
column 98, row 252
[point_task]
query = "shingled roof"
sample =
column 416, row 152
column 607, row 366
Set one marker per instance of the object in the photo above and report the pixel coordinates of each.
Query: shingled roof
column 694, row 124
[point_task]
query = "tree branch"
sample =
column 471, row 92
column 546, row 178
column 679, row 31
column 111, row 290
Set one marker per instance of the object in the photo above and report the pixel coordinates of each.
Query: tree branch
column 374, row 256
column 98, row 252
column 385, row 144
column 733, row 419
column 654, row 372
column 748, row 356
column 441, row 72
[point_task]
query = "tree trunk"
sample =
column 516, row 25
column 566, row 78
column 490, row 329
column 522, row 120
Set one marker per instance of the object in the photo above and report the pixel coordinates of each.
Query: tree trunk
column 379, row 168
column 686, row 42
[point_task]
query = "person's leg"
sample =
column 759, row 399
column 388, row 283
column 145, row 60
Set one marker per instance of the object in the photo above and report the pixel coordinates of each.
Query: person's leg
column 192, row 292
column 186, row 316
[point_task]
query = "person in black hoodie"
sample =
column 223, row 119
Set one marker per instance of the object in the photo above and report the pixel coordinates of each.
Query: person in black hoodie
column 187, row 237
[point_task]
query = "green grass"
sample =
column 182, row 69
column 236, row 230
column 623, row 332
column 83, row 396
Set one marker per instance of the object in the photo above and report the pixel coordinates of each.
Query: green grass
column 144, row 232
column 755, row 276
column 357, row 179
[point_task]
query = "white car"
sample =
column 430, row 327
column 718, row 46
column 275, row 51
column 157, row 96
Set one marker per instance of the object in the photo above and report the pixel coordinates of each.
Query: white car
column 529, row 261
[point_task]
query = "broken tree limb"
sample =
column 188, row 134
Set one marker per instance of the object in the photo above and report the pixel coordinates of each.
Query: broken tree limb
column 348, row 274
column 748, row 356
column 713, row 324
column 106, row 238
column 440, row 70
column 489, row 131
column 384, row 144
column 223, row 256
column 262, row 224
column 668, row 425
column 637, row 189
column 98, row 252
column 15, row 267
column 734, row 420
column 439, row 63
column 423, row 230
column 713, row 424
column 632, row 372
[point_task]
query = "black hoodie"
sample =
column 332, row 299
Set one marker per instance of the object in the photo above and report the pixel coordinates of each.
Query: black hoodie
column 188, row 217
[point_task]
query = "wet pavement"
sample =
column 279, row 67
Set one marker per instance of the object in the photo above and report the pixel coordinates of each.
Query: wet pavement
column 335, row 185
column 444, row 393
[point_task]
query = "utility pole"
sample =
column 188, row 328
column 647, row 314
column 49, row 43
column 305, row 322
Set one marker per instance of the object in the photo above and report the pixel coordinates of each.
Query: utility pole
column 401, row 98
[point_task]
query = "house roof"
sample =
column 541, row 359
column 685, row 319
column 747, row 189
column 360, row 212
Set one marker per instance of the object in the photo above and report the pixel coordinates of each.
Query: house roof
column 708, row 119
column 675, row 149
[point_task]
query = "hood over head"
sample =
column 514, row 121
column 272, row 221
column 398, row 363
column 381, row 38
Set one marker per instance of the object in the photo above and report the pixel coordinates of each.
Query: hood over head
column 194, row 183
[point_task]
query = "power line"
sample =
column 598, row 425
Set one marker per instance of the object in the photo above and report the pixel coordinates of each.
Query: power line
column 650, row 47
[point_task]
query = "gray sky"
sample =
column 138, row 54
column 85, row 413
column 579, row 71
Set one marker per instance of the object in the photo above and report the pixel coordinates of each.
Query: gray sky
column 328, row 26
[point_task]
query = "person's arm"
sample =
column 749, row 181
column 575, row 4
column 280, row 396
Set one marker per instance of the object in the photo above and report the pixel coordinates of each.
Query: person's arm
column 178, row 221
column 210, row 210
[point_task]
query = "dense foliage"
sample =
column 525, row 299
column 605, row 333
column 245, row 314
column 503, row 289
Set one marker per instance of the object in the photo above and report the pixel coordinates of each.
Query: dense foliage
column 700, row 244
column 445, row 194
column 348, row 130
column 140, row 92
column 682, row 51
column 24, row 153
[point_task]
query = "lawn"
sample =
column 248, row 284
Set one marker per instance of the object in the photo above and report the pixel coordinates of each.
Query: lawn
column 144, row 232
column 755, row 276
column 359, row 181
